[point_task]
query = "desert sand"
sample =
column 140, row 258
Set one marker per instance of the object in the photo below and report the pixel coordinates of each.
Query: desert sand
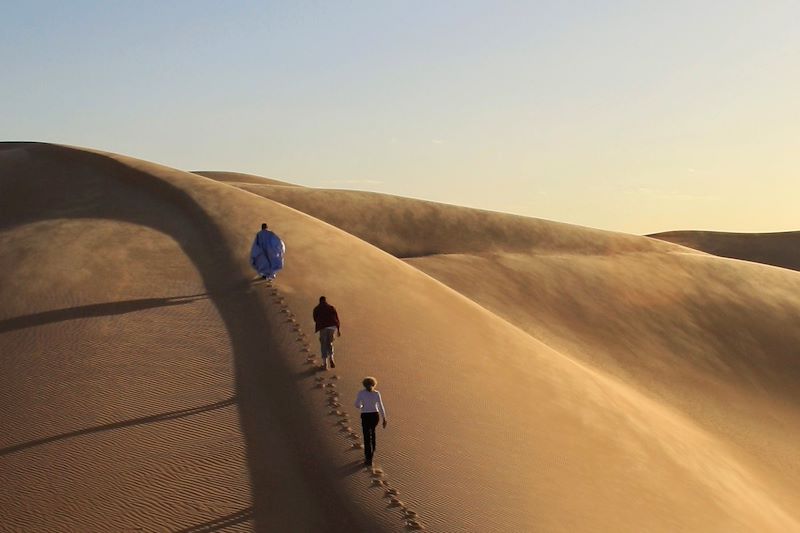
column 779, row 249
column 538, row 376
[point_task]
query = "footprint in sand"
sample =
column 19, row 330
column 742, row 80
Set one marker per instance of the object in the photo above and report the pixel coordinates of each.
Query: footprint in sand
column 335, row 376
column 392, row 492
column 413, row 524
column 358, row 446
column 346, row 429
column 320, row 378
column 377, row 472
column 394, row 502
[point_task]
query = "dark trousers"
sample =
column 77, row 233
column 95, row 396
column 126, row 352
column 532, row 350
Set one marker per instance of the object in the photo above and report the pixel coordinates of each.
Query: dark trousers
column 369, row 421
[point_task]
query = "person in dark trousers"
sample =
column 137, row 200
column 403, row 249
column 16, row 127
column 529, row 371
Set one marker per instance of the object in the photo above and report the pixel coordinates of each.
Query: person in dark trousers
column 370, row 403
column 326, row 322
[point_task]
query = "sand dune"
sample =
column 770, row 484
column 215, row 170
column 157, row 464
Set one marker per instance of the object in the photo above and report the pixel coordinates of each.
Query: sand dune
column 406, row 227
column 552, row 377
column 779, row 249
column 238, row 177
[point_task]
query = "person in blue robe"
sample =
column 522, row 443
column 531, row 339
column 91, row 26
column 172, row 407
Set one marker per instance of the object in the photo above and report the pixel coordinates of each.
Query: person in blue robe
column 266, row 254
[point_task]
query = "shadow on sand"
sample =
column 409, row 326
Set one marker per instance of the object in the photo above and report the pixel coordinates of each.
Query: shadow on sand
column 93, row 310
column 160, row 417
column 218, row 524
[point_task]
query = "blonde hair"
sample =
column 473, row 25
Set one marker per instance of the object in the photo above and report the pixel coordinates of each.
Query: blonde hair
column 369, row 382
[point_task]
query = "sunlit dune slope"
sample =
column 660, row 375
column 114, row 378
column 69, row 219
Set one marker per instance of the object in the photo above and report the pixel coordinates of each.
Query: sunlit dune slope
column 716, row 340
column 780, row 249
column 149, row 358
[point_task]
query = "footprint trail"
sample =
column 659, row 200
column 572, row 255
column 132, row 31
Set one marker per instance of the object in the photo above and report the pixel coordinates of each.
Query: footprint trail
column 327, row 385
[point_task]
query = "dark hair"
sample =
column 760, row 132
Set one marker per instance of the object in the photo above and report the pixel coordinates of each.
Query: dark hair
column 322, row 299
column 264, row 225
column 369, row 383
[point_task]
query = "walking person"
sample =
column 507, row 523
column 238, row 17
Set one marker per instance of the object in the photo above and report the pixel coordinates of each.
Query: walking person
column 326, row 322
column 371, row 405
column 266, row 254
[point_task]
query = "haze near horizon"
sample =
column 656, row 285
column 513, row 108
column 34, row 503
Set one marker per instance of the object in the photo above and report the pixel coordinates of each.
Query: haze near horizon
column 611, row 115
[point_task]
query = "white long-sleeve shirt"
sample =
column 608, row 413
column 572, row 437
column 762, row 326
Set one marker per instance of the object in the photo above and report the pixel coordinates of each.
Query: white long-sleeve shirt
column 370, row 402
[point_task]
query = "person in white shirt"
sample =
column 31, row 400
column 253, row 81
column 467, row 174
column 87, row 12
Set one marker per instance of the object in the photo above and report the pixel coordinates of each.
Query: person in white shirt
column 370, row 402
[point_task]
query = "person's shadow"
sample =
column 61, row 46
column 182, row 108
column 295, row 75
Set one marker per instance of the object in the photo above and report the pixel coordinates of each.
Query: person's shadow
column 94, row 310
column 351, row 468
column 223, row 522
column 159, row 417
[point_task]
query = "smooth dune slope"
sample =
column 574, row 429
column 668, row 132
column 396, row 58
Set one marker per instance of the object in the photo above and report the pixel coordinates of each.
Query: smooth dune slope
column 490, row 428
column 714, row 339
column 779, row 249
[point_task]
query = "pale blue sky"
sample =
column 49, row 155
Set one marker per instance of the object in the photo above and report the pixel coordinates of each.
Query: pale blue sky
column 633, row 116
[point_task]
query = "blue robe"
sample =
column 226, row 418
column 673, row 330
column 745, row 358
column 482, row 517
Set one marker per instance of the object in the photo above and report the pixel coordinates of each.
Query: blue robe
column 266, row 254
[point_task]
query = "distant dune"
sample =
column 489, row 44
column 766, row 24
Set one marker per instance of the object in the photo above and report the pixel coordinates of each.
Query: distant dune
column 538, row 376
column 779, row 249
column 238, row 177
column 405, row 227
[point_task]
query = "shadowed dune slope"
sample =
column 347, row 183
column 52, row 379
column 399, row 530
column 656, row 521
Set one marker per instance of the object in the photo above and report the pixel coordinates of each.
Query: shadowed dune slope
column 490, row 428
column 779, row 249
column 144, row 378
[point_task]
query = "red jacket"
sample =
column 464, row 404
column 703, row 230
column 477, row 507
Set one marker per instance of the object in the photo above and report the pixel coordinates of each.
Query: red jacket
column 325, row 316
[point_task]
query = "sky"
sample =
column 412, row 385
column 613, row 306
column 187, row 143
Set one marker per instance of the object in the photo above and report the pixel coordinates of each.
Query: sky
column 630, row 116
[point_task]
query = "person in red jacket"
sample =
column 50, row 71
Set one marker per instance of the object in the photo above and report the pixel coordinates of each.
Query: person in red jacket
column 326, row 322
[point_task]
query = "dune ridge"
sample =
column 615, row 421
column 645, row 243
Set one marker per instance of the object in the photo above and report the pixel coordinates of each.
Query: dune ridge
column 409, row 228
column 780, row 249
column 504, row 416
